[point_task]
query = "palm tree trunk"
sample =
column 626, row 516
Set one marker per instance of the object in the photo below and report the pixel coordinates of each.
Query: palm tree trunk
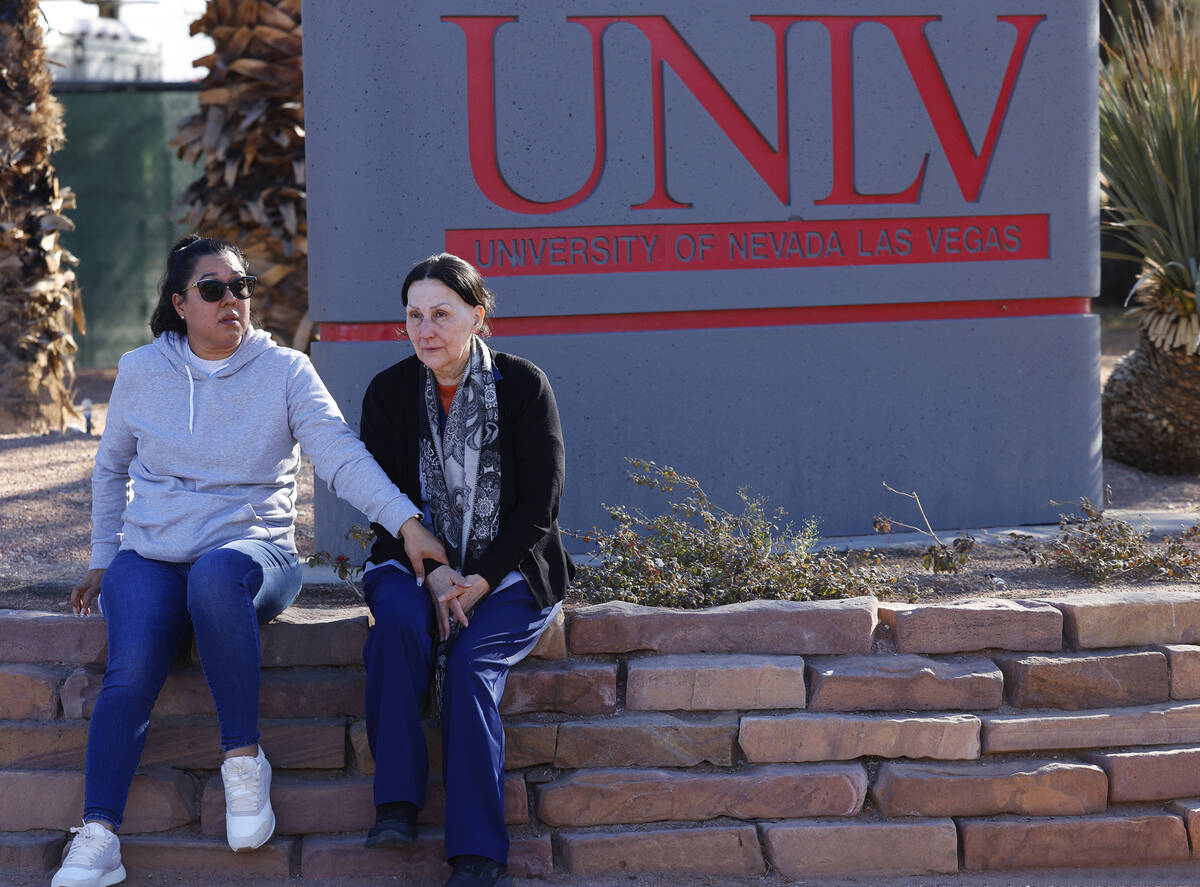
column 38, row 296
column 1151, row 410
column 250, row 135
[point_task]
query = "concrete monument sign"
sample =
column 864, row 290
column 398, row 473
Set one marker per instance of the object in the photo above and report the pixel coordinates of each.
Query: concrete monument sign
column 803, row 246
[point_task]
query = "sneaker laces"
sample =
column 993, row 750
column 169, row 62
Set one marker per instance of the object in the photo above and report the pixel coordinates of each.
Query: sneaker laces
column 89, row 842
column 242, row 784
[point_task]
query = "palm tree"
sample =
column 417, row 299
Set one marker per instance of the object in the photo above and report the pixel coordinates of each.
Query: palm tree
column 39, row 299
column 250, row 134
column 1150, row 171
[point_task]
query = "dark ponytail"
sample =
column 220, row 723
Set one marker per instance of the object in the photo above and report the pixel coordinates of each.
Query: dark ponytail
column 181, row 261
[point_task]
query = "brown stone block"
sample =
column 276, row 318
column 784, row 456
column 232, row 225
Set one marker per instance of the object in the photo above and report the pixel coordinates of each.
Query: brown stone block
column 808, row 736
column 987, row 788
column 1183, row 660
column 288, row 744
column 708, row 682
column 29, row 691
column 778, row 791
column 890, row 849
column 57, row 745
column 300, row 637
column 49, row 799
column 31, row 851
column 711, row 850
column 903, row 682
column 342, row 856
column 580, row 688
column 1072, row 842
column 771, row 627
column 1077, row 682
column 1190, row 811
column 969, row 626
column 362, row 748
column 553, row 642
column 190, row 853
column 1157, row 775
column 283, row 693
column 1150, row 725
column 647, row 740
column 529, row 744
column 30, row 636
column 1130, row 618
column 776, row 627
column 309, row 806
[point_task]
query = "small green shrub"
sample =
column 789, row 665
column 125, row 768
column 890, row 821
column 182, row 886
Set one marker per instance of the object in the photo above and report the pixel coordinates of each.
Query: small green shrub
column 1100, row 548
column 697, row 554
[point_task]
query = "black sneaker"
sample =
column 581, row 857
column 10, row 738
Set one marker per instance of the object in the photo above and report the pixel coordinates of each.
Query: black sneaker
column 395, row 825
column 478, row 871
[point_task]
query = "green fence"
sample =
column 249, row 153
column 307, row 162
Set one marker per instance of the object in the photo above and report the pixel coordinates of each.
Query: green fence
column 126, row 178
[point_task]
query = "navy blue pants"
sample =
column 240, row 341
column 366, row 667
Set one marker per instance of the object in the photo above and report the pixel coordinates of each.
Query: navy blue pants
column 505, row 627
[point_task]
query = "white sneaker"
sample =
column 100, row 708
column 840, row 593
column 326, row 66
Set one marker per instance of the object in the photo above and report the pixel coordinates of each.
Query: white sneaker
column 249, row 819
column 94, row 859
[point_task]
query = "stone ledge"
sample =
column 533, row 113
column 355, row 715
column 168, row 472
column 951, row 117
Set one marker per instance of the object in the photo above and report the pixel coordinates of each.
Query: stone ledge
column 882, row 849
column 707, row 850
column 1078, row 682
column 988, row 788
column 903, row 682
column 776, row 791
column 647, row 740
column 29, row 636
column 1072, row 842
column 974, row 625
column 1155, row 775
column 714, row 682
column 775, row 627
column 190, row 743
column 809, row 736
column 343, row 856
column 1129, row 618
column 189, row 852
column 1150, row 725
column 312, row 806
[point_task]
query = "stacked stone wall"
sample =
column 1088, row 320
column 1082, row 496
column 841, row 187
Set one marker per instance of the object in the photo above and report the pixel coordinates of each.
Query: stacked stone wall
column 809, row 739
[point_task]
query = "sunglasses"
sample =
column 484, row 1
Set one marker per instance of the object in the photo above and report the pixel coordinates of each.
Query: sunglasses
column 212, row 290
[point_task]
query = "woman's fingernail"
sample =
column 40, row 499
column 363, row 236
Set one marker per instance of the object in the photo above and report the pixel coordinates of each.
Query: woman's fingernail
column 420, row 581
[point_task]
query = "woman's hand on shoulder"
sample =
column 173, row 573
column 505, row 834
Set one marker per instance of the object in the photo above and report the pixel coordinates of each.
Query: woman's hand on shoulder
column 421, row 545
column 85, row 593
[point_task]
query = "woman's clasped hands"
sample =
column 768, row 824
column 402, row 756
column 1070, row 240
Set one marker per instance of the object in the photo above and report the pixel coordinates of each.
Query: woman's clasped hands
column 454, row 595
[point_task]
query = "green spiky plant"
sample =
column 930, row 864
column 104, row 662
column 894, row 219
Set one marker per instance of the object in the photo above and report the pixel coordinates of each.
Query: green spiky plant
column 1150, row 171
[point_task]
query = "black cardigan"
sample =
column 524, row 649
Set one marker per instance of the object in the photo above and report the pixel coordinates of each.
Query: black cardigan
column 531, row 471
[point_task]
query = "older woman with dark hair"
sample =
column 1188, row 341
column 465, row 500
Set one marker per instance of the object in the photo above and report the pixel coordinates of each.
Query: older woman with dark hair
column 473, row 435
column 193, row 518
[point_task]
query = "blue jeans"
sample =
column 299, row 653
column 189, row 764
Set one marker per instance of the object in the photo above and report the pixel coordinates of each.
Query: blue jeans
column 151, row 608
column 504, row 628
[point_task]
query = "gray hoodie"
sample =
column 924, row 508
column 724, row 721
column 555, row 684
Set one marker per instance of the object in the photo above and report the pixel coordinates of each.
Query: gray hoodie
column 188, row 463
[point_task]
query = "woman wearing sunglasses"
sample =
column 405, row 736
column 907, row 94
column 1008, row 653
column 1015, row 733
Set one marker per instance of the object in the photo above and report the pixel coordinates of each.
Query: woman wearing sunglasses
column 204, row 430
column 473, row 435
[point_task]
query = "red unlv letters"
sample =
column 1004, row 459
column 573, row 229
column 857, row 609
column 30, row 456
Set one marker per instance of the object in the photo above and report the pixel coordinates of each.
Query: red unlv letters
column 668, row 47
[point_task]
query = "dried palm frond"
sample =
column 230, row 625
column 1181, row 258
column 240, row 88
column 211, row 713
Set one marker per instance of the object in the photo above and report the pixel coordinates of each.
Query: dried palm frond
column 250, row 135
column 39, row 299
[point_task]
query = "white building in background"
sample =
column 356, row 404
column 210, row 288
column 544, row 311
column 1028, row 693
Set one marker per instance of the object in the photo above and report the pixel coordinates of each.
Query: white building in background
column 149, row 43
column 103, row 50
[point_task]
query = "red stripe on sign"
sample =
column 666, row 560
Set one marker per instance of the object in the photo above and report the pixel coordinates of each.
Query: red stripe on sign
column 733, row 318
column 723, row 246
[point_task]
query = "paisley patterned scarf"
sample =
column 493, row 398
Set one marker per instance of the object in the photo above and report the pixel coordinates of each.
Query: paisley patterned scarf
column 460, row 462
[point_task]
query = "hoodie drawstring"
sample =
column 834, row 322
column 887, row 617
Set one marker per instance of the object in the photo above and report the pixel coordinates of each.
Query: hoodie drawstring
column 191, row 397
